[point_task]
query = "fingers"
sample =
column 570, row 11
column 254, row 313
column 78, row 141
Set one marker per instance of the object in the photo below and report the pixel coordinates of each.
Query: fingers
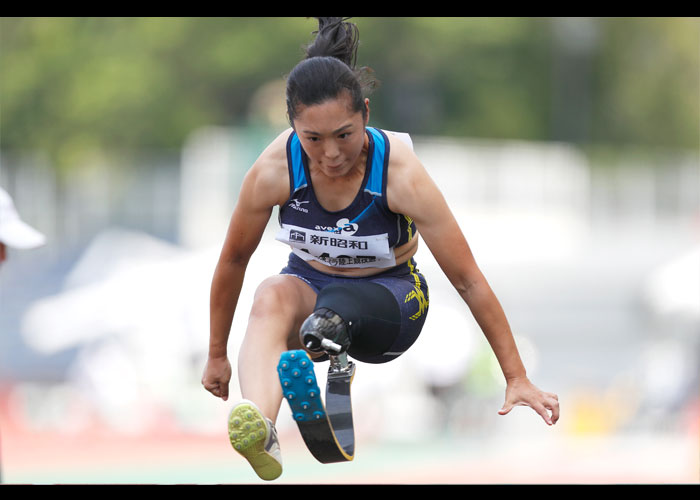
column 211, row 387
column 218, row 390
column 216, row 377
column 543, row 412
column 505, row 409
column 554, row 408
column 545, row 404
column 548, row 409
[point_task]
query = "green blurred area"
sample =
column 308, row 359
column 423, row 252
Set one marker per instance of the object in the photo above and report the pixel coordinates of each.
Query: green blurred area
column 78, row 87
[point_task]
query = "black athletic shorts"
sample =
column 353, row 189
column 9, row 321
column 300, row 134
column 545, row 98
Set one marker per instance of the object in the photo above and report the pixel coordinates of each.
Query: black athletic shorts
column 387, row 320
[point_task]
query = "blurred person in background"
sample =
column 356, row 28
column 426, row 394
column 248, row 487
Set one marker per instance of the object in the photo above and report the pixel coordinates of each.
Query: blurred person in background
column 14, row 233
column 339, row 185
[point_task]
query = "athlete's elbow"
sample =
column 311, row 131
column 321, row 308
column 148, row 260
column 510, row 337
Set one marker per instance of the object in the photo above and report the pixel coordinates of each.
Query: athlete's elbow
column 235, row 260
column 464, row 287
column 470, row 285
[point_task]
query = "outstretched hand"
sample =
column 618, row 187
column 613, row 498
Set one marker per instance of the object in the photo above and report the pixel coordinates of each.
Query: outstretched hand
column 521, row 392
column 216, row 377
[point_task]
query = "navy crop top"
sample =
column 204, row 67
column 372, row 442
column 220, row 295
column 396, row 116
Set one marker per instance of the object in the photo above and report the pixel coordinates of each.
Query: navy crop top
column 364, row 234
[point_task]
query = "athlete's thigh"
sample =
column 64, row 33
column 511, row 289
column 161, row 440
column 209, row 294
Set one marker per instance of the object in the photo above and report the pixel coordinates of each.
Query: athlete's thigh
column 287, row 299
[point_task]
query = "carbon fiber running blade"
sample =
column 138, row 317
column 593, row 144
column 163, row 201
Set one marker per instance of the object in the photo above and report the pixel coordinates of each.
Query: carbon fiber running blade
column 327, row 430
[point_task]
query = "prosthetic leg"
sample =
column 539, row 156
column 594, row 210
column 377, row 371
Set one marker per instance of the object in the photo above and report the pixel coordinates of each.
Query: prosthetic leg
column 326, row 429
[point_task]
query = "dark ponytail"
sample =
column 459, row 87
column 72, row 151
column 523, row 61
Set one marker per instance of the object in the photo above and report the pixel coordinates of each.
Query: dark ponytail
column 336, row 38
column 329, row 69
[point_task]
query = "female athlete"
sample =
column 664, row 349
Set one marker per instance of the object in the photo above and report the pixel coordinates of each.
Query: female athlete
column 352, row 200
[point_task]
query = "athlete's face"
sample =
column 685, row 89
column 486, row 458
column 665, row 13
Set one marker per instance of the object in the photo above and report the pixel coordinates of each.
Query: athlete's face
column 332, row 134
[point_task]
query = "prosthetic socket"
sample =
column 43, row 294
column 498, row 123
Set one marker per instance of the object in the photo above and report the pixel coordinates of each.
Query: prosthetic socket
column 325, row 331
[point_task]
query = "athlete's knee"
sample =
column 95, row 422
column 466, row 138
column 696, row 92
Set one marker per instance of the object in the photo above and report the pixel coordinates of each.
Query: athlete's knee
column 276, row 295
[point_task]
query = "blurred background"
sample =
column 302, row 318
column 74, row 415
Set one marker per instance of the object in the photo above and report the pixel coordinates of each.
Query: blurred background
column 567, row 148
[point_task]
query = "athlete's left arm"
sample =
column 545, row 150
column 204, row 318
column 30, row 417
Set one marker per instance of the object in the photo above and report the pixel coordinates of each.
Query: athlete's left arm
column 411, row 191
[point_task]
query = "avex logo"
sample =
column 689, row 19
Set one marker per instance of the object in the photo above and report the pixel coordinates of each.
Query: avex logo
column 297, row 205
column 343, row 226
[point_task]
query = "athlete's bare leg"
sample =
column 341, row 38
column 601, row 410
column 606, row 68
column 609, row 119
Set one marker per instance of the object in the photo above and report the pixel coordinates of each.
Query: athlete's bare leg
column 280, row 306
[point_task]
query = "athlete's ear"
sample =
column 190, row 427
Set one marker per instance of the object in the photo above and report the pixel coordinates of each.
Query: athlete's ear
column 366, row 111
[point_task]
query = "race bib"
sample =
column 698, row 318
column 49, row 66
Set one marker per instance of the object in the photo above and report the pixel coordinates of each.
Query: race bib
column 334, row 247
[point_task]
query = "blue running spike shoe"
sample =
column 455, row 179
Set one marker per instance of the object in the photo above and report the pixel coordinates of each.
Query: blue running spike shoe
column 300, row 387
column 255, row 437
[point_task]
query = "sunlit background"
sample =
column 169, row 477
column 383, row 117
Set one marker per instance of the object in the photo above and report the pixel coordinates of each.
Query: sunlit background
column 567, row 148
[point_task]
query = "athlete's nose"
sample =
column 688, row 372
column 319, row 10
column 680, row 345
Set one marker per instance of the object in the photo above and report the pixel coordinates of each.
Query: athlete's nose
column 331, row 151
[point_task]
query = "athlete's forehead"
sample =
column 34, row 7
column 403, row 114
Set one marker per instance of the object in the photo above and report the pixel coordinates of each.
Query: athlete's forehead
column 333, row 116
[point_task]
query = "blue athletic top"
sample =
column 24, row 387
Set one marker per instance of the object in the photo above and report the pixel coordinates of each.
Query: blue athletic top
column 364, row 234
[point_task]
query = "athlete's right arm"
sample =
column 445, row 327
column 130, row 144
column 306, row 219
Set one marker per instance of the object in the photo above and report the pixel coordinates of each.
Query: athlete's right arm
column 265, row 185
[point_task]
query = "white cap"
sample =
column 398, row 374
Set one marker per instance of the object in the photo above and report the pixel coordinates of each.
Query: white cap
column 14, row 232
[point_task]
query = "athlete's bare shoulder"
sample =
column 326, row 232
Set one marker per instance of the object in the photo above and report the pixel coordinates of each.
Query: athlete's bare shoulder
column 276, row 151
column 269, row 175
column 401, row 147
column 405, row 169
